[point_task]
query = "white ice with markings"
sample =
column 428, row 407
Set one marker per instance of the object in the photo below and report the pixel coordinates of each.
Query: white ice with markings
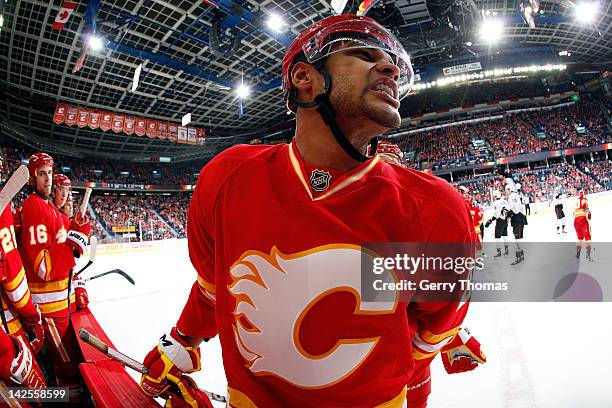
column 545, row 355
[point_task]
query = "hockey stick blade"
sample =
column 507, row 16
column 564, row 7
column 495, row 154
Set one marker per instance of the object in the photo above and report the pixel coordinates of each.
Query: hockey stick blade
column 128, row 361
column 18, row 179
column 117, row 271
column 92, row 255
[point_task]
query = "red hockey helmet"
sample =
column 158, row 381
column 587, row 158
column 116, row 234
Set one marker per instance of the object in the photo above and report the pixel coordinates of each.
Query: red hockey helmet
column 61, row 180
column 317, row 43
column 38, row 160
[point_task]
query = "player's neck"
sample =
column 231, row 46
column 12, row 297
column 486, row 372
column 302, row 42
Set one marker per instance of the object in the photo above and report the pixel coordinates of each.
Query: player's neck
column 41, row 197
column 317, row 144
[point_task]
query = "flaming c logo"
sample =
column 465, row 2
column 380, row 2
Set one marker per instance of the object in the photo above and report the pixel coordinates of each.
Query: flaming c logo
column 273, row 295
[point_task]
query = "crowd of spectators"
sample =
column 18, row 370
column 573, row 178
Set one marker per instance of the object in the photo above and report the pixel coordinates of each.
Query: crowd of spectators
column 599, row 170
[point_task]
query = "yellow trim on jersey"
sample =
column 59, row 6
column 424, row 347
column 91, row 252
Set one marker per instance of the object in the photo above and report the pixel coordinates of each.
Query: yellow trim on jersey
column 209, row 287
column 43, row 256
column 396, row 402
column 52, row 286
column 239, row 399
column 14, row 284
column 24, row 300
column 431, row 338
column 14, row 326
column 417, row 355
column 344, row 183
column 46, row 308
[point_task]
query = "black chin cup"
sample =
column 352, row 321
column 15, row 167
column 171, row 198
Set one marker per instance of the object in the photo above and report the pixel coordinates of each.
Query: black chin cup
column 327, row 112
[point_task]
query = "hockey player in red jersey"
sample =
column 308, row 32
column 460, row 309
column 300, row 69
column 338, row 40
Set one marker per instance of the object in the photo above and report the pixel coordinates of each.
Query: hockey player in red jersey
column 48, row 253
column 582, row 225
column 282, row 289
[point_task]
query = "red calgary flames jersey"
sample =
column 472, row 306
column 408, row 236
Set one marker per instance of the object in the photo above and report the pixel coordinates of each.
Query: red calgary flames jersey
column 276, row 244
column 46, row 256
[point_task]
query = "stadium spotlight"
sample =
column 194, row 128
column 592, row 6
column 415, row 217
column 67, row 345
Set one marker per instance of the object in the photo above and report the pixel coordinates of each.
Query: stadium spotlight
column 586, row 12
column 243, row 91
column 95, row 43
column 276, row 23
column 491, row 30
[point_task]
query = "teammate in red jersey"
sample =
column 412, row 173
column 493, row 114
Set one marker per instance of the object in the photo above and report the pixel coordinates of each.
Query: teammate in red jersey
column 48, row 253
column 17, row 364
column 282, row 289
column 582, row 225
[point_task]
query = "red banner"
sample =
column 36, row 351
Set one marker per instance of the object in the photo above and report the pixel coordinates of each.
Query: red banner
column 172, row 132
column 163, row 130
column 118, row 122
column 83, row 117
column 71, row 116
column 192, row 135
column 151, row 128
column 128, row 125
column 182, row 134
column 201, row 132
column 94, row 119
column 106, row 122
column 141, row 127
column 60, row 114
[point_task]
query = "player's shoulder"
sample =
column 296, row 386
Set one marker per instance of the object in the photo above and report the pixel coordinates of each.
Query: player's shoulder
column 240, row 155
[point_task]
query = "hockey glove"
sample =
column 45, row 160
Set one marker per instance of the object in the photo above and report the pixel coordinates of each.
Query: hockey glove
column 462, row 353
column 81, row 297
column 489, row 222
column 34, row 326
column 167, row 363
column 184, row 393
column 78, row 235
column 22, row 368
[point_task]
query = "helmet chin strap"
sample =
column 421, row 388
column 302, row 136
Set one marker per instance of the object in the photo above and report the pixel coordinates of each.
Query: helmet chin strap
column 328, row 113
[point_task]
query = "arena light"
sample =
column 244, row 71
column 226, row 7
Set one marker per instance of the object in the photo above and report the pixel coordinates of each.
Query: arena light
column 95, row 43
column 243, row 91
column 491, row 30
column 586, row 12
column 276, row 23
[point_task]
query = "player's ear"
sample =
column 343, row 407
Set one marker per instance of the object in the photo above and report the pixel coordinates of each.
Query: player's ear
column 306, row 80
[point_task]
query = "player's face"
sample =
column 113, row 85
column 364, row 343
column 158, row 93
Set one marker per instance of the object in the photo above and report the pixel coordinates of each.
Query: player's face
column 43, row 181
column 364, row 85
column 60, row 195
column 67, row 209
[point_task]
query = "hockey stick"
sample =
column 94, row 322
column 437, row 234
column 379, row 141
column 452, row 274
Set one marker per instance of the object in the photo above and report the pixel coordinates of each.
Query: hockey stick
column 18, row 179
column 117, row 271
column 92, row 255
column 85, row 201
column 128, row 361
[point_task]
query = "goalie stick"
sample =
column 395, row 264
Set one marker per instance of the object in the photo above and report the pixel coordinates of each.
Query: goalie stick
column 128, row 361
column 18, row 179
column 117, row 271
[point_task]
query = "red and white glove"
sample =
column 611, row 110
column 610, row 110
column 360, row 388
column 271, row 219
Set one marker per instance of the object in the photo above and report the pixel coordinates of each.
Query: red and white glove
column 78, row 235
column 22, row 368
column 168, row 363
column 462, row 353
column 34, row 326
column 80, row 293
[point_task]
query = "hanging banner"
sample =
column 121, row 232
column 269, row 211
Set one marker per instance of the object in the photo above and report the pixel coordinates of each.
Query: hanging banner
column 172, row 132
column 118, row 122
column 141, row 127
column 128, row 125
column 163, row 130
column 60, row 113
column 71, row 116
column 201, row 136
column 94, row 119
column 151, row 128
column 182, row 134
column 192, row 135
column 83, row 117
column 106, row 122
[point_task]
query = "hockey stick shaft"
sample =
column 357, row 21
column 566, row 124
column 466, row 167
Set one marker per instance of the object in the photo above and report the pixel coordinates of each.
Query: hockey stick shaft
column 117, row 271
column 92, row 255
column 85, row 200
column 15, row 183
column 128, row 361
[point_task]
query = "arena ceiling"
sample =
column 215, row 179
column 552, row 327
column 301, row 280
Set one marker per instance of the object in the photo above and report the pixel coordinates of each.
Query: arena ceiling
column 189, row 64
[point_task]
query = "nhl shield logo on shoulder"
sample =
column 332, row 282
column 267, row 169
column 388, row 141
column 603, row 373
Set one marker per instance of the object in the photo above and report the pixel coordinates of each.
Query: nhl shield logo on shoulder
column 319, row 180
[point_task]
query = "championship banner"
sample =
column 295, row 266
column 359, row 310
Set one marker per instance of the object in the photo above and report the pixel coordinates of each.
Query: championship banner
column 128, row 125
column 201, row 136
column 182, row 134
column 192, row 135
column 83, row 117
column 141, row 127
column 106, row 123
column 60, row 114
column 118, row 122
column 71, row 116
column 163, row 130
column 94, row 119
column 151, row 128
column 172, row 132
